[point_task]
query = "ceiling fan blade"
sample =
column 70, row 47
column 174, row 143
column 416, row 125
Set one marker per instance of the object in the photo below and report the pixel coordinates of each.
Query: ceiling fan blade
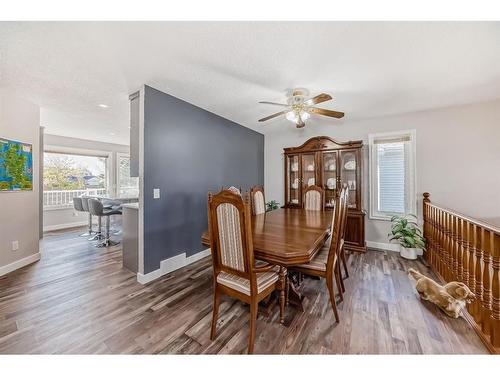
column 325, row 112
column 274, row 115
column 281, row 105
column 318, row 99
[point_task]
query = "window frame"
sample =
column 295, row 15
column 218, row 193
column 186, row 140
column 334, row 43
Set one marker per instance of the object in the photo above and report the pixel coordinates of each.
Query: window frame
column 65, row 150
column 411, row 205
column 117, row 168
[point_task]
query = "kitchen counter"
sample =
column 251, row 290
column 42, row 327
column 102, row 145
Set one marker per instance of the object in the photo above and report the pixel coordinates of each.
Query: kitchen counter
column 130, row 223
column 134, row 206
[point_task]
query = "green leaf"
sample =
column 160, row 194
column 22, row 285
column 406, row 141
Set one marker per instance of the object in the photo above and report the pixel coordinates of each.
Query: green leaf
column 410, row 241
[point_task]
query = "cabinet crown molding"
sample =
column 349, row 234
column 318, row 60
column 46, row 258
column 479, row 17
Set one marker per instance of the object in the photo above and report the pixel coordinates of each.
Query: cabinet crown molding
column 322, row 143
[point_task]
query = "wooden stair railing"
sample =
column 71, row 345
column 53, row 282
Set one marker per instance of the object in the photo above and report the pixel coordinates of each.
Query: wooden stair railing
column 460, row 248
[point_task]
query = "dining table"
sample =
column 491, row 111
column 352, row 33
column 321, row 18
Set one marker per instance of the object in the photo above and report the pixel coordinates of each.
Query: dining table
column 288, row 237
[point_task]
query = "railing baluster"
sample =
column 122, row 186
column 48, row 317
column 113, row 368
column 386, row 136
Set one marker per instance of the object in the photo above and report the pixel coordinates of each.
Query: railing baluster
column 441, row 243
column 495, row 289
column 458, row 250
column 463, row 272
column 479, row 274
column 472, row 264
column 449, row 258
column 454, row 250
column 486, row 302
column 442, row 260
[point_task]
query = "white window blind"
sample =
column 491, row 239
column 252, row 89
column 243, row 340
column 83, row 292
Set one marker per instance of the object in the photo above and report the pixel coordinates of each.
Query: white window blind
column 392, row 174
column 391, row 177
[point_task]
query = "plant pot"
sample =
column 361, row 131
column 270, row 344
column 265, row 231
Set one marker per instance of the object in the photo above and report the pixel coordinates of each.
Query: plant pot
column 408, row 252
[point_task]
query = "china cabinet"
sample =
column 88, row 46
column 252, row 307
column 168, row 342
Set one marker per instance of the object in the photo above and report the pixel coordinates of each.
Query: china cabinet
column 327, row 163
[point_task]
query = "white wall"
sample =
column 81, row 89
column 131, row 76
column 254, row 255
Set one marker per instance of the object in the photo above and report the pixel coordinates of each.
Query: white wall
column 19, row 218
column 458, row 156
column 54, row 219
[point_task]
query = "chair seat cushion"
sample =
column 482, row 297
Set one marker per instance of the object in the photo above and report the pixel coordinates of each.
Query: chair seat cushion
column 318, row 263
column 264, row 280
column 111, row 212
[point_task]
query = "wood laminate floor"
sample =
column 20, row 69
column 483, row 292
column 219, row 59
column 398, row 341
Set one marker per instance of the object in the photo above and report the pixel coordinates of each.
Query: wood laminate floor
column 78, row 299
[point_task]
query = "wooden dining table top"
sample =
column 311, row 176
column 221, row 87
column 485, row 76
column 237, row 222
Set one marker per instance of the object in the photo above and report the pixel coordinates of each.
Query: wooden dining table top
column 287, row 236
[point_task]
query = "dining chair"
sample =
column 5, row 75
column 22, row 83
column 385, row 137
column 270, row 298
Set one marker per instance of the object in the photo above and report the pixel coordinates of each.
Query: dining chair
column 257, row 199
column 325, row 263
column 235, row 272
column 314, row 198
column 342, row 235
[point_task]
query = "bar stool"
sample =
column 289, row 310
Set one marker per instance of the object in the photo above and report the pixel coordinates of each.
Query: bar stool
column 97, row 209
column 85, row 205
column 78, row 206
column 110, row 203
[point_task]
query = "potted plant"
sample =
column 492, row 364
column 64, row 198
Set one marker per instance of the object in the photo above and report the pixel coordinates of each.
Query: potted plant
column 405, row 230
column 273, row 205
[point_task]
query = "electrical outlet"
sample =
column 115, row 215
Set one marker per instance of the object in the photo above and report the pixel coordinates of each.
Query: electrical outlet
column 15, row 245
column 156, row 193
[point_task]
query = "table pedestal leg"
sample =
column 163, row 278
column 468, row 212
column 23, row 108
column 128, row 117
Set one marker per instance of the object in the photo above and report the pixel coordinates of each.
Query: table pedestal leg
column 293, row 295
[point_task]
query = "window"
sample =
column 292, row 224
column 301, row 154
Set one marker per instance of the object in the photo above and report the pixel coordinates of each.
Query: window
column 392, row 174
column 67, row 175
column 127, row 186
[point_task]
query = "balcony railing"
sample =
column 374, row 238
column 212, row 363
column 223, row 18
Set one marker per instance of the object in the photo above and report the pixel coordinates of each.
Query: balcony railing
column 53, row 199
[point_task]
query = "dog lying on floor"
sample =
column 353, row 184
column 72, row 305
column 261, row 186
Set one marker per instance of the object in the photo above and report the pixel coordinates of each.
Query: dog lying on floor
column 450, row 298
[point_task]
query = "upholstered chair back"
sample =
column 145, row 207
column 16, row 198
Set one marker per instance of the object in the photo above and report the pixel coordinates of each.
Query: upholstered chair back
column 258, row 201
column 313, row 198
column 230, row 233
column 77, row 204
column 95, row 207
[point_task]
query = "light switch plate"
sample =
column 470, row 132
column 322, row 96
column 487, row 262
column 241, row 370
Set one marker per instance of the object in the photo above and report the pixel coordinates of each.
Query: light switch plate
column 15, row 245
column 156, row 193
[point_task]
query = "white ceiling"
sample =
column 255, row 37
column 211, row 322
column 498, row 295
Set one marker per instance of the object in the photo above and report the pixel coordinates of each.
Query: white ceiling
column 370, row 68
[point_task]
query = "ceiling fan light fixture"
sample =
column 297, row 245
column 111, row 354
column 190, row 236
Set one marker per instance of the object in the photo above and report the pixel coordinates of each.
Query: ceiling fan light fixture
column 292, row 116
column 297, row 116
column 304, row 116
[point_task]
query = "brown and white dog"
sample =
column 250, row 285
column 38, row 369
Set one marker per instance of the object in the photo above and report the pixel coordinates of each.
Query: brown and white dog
column 450, row 298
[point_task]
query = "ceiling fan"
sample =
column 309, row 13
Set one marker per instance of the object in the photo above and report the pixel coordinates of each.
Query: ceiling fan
column 299, row 108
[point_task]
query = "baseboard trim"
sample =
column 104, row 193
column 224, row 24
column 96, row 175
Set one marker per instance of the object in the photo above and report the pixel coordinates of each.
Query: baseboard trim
column 51, row 228
column 170, row 265
column 387, row 246
column 4, row 270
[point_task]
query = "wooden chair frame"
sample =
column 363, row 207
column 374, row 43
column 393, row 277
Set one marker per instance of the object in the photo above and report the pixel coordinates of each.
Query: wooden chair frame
column 250, row 269
column 254, row 190
column 337, row 242
column 342, row 231
column 319, row 190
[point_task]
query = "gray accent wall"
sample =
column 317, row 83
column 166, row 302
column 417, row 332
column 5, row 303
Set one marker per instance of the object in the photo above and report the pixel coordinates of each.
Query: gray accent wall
column 189, row 151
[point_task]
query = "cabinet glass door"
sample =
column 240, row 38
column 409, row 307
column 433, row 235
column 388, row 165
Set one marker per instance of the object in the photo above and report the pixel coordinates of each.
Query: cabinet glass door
column 329, row 177
column 293, row 180
column 308, row 170
column 349, row 170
